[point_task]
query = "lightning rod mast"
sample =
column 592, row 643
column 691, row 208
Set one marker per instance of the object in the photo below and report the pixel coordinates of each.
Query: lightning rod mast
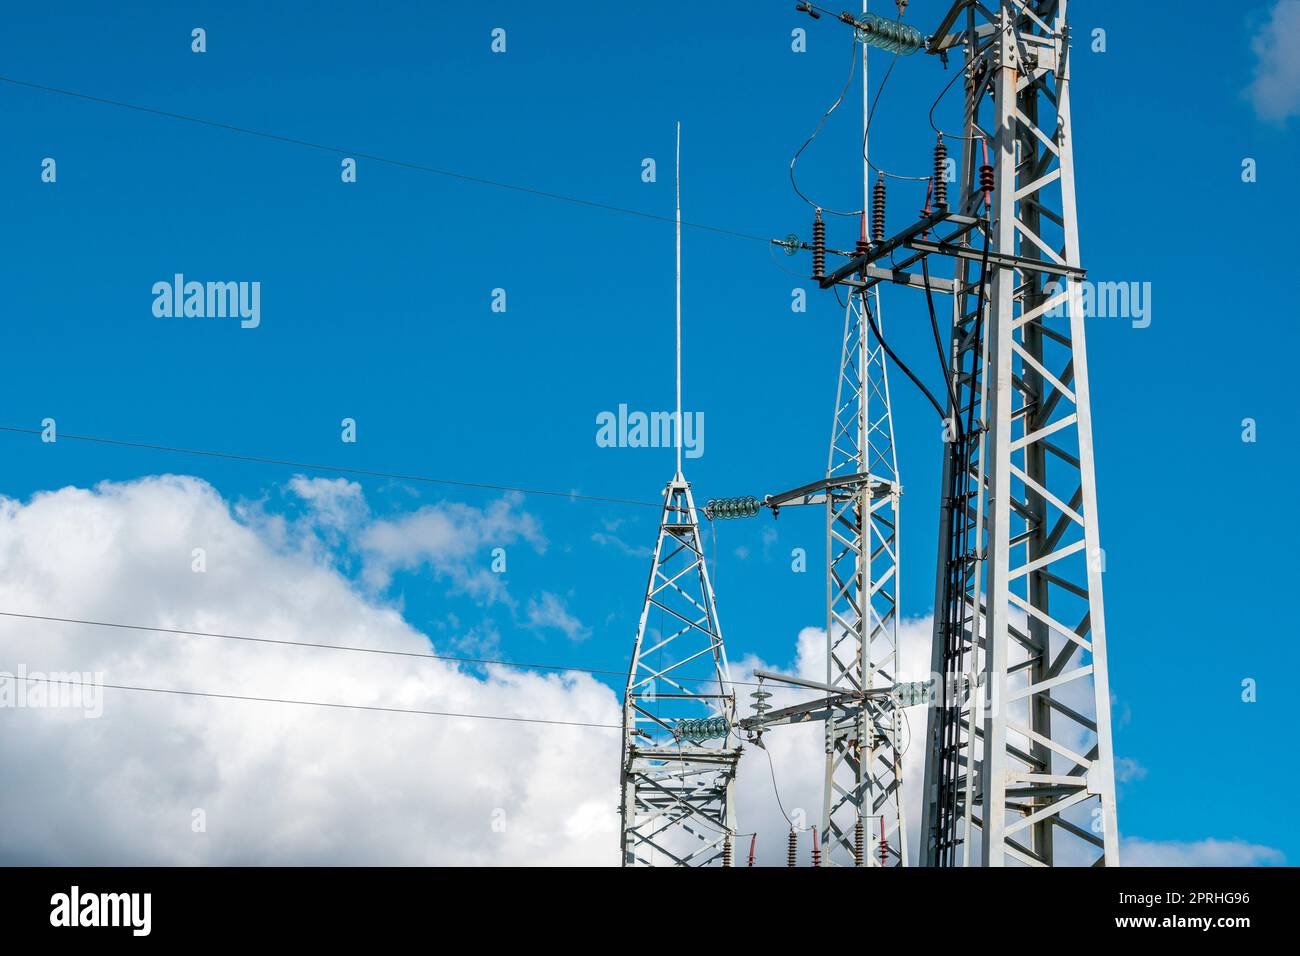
column 680, row 752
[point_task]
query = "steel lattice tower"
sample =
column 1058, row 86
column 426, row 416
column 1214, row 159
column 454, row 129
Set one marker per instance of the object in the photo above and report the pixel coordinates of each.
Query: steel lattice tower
column 863, row 787
column 1019, row 763
column 679, row 707
column 677, row 794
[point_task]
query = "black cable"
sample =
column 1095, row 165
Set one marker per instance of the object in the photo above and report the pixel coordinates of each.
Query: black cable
column 5, row 675
column 463, row 177
column 955, row 76
column 867, row 128
column 865, row 306
column 899, row 362
column 963, row 540
column 955, row 614
column 871, row 113
column 338, row 469
column 979, row 311
column 938, row 344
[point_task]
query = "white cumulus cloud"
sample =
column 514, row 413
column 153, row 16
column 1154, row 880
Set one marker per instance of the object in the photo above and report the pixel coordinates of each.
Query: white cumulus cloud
column 277, row 783
column 271, row 783
column 1275, row 88
column 551, row 613
column 1210, row 852
column 441, row 537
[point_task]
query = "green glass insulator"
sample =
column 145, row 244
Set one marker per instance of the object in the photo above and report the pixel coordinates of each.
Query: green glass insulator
column 889, row 35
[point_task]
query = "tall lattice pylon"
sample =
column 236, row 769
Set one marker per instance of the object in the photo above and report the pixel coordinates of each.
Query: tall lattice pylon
column 863, row 816
column 679, row 752
column 679, row 709
column 1019, row 763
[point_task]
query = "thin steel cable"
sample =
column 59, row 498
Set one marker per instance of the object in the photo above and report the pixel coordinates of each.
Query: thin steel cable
column 776, row 791
column 908, row 722
column 713, row 532
column 848, row 82
column 777, row 262
column 338, row 469
column 5, row 675
column 866, row 126
column 285, row 642
column 865, row 132
column 401, row 164
column 871, row 113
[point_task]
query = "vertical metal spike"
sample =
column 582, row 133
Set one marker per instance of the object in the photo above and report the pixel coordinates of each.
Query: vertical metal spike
column 677, row 806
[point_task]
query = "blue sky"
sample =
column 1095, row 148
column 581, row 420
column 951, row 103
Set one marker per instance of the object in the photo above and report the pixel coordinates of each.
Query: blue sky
column 376, row 306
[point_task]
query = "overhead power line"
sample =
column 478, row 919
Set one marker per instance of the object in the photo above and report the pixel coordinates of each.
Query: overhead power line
column 5, row 675
column 401, row 164
column 340, row 469
column 285, row 642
